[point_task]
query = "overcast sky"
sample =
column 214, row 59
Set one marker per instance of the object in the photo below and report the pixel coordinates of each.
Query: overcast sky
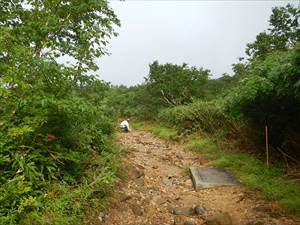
column 209, row 34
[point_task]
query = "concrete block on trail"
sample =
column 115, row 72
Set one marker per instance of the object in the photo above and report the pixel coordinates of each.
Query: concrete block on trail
column 211, row 177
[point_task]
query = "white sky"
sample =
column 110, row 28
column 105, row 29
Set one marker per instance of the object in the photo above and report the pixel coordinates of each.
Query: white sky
column 209, row 34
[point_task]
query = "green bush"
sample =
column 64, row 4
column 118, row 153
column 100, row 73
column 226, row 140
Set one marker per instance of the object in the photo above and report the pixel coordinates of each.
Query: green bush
column 270, row 95
column 51, row 126
column 54, row 127
column 199, row 116
column 45, row 139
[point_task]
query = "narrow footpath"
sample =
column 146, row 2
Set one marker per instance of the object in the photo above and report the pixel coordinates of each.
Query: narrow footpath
column 155, row 188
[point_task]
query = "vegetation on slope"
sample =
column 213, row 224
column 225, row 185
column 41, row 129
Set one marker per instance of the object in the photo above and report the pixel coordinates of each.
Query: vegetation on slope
column 54, row 129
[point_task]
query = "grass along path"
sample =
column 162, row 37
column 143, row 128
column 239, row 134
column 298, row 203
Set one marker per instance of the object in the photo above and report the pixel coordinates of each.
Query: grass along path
column 156, row 181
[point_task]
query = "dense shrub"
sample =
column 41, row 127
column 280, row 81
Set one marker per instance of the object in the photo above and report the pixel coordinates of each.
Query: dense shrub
column 201, row 115
column 53, row 125
column 269, row 95
column 45, row 136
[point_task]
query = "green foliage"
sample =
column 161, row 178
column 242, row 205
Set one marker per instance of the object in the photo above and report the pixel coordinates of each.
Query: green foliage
column 131, row 102
column 165, row 133
column 199, row 116
column 283, row 33
column 52, row 28
column 174, row 84
column 263, row 91
column 63, row 203
column 216, row 87
column 45, row 136
column 270, row 95
column 207, row 146
column 52, row 120
column 162, row 88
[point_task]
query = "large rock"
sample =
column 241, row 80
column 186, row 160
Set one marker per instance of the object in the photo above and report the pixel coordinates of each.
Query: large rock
column 211, row 177
column 219, row 219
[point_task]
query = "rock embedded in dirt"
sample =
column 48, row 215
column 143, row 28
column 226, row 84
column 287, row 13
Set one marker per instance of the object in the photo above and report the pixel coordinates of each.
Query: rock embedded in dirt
column 161, row 201
column 140, row 181
column 125, row 196
column 179, row 220
column 188, row 183
column 177, row 198
column 164, row 158
column 200, row 210
column 167, row 181
column 140, row 173
column 140, row 166
column 101, row 216
column 135, row 172
column 257, row 222
column 183, row 211
column 219, row 219
column 179, row 156
column 262, row 208
column 137, row 210
column 241, row 197
column 188, row 223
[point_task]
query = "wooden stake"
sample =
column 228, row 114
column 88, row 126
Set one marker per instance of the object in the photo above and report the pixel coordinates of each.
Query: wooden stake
column 267, row 144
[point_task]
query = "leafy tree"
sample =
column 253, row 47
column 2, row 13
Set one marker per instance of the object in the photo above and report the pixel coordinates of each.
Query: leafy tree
column 174, row 84
column 271, row 94
column 283, row 33
column 217, row 87
column 51, row 28
column 51, row 117
column 240, row 69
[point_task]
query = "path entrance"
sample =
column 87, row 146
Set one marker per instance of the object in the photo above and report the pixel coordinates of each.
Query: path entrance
column 156, row 188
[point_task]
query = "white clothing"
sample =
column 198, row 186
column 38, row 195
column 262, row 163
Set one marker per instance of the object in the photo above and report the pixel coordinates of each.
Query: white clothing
column 125, row 124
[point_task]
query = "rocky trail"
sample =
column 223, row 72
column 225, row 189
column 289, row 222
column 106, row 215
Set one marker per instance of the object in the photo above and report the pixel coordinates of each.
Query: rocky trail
column 156, row 188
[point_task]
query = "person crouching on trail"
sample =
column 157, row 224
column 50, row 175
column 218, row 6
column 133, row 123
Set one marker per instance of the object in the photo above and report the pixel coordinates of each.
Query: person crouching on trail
column 125, row 125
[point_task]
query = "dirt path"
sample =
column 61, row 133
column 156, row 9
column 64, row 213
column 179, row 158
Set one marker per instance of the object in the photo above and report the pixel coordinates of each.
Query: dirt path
column 157, row 181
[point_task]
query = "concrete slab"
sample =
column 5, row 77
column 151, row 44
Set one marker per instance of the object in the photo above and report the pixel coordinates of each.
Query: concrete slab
column 211, row 177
